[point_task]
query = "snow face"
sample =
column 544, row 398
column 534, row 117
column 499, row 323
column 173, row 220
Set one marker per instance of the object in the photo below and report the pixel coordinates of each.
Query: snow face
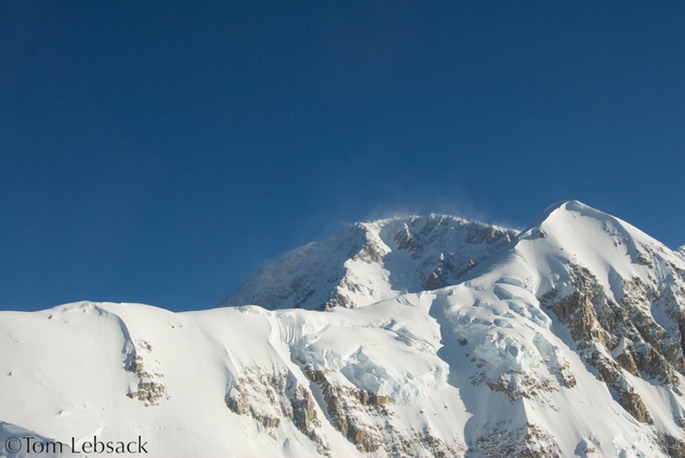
column 441, row 337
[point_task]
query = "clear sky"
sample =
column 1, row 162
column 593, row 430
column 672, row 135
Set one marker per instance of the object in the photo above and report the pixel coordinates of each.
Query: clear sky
column 160, row 152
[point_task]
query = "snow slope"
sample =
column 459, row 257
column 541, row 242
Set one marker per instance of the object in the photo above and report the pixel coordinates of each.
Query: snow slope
column 449, row 338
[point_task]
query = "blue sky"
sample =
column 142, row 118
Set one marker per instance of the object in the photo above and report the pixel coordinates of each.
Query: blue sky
column 160, row 152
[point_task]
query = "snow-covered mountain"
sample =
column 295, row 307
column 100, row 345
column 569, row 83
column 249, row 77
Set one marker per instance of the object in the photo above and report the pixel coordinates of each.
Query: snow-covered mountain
column 412, row 336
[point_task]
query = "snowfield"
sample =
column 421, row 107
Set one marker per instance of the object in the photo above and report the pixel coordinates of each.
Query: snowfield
column 412, row 336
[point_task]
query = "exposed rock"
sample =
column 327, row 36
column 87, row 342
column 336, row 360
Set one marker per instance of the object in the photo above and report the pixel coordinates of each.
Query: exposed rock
column 271, row 398
column 634, row 404
column 149, row 388
column 350, row 409
column 530, row 441
column 671, row 445
column 613, row 338
column 342, row 404
column 148, row 392
column 304, row 412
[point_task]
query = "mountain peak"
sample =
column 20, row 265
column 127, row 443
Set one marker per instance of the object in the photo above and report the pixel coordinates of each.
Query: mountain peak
column 569, row 204
column 373, row 261
column 564, row 220
column 563, row 208
column 575, row 234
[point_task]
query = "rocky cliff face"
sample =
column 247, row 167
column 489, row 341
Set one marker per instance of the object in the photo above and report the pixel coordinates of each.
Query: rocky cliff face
column 624, row 337
column 430, row 337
